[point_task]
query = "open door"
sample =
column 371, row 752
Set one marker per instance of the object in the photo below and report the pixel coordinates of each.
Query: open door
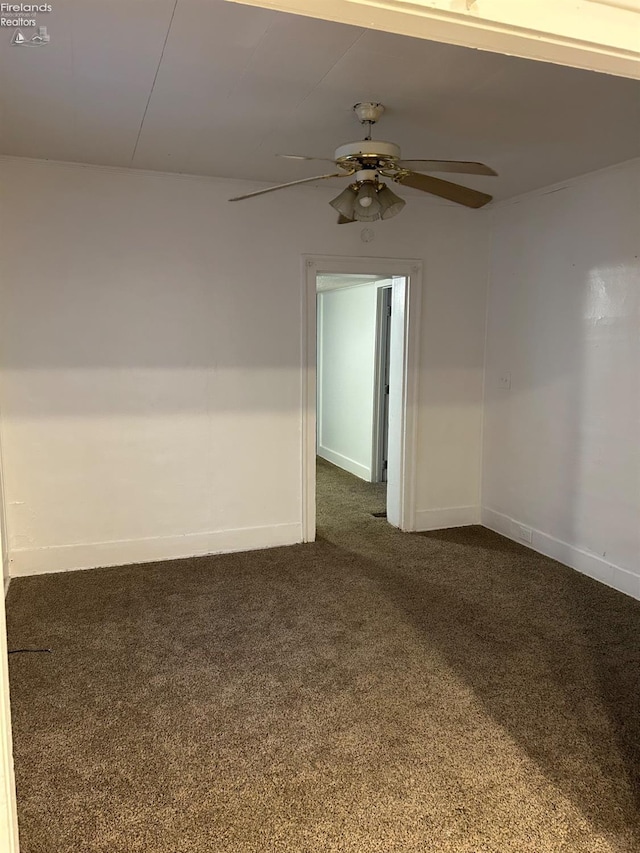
column 382, row 387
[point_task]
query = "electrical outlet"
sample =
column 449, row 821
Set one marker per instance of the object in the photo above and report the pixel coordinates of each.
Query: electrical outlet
column 525, row 534
column 504, row 381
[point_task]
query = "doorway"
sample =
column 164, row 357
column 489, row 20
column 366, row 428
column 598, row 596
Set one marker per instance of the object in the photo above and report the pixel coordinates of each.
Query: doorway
column 387, row 419
column 352, row 356
column 353, row 348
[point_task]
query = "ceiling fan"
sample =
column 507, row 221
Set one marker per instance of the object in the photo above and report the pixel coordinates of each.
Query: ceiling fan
column 367, row 197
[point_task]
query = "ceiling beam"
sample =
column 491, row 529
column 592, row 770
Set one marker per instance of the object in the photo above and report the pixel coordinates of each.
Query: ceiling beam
column 598, row 35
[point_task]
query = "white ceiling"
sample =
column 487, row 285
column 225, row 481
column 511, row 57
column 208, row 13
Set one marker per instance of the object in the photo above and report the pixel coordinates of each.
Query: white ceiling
column 214, row 88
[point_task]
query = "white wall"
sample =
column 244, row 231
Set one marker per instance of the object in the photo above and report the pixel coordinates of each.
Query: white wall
column 150, row 388
column 451, row 373
column 346, row 376
column 151, row 335
column 4, row 549
column 562, row 446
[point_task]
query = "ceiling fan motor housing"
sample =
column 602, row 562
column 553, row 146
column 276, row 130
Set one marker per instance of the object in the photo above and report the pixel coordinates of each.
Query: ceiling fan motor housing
column 368, row 154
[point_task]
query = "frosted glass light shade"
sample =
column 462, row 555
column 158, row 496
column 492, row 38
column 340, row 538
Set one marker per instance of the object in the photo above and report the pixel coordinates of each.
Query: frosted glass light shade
column 345, row 202
column 390, row 203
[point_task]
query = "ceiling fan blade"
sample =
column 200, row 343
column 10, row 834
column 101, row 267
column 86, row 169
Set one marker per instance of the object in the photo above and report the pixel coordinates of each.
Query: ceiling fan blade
column 444, row 189
column 465, row 167
column 344, row 220
column 304, row 157
column 292, row 184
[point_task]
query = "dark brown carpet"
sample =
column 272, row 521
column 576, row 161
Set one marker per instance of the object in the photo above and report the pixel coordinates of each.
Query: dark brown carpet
column 374, row 692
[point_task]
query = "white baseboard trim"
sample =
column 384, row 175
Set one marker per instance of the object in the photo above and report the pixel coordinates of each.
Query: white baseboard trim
column 66, row 558
column 349, row 465
column 452, row 516
column 582, row 561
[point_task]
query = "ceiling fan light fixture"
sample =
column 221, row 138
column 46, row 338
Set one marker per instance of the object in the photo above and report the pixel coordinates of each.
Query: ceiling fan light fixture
column 366, row 205
column 344, row 203
column 390, row 203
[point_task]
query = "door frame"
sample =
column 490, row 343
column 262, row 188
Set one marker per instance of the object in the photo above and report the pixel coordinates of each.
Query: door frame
column 8, row 807
column 8, row 811
column 406, row 316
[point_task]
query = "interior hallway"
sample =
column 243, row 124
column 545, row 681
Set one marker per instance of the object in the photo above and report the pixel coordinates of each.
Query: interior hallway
column 346, row 504
column 373, row 692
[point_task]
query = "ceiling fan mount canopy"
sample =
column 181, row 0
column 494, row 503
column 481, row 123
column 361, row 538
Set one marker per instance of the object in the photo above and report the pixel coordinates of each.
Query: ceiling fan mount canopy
column 368, row 112
column 367, row 198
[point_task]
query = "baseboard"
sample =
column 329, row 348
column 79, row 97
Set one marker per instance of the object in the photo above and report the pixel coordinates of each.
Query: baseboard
column 453, row 516
column 65, row 558
column 582, row 561
column 341, row 461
